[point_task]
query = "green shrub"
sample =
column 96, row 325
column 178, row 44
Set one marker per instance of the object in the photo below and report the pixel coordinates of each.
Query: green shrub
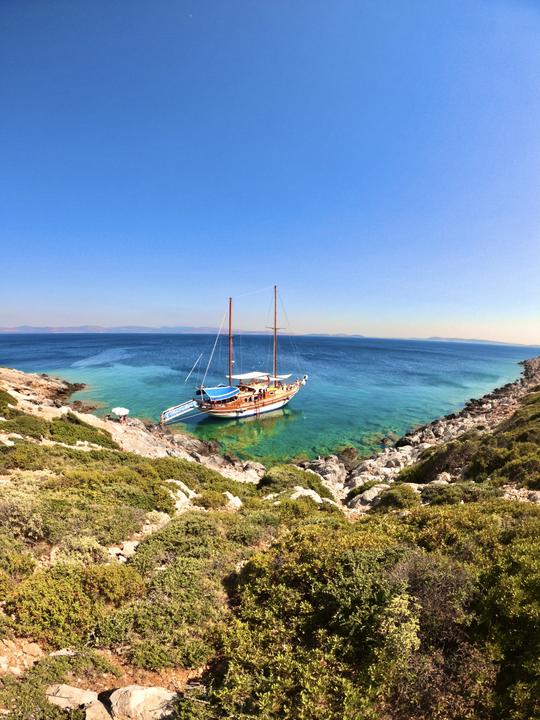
column 27, row 425
column 114, row 584
column 442, row 494
column 458, row 492
column 68, row 429
column 5, row 401
column 211, row 499
column 523, row 470
column 360, row 489
column 172, row 624
column 52, row 606
column 194, row 708
column 64, row 514
column 153, row 655
column 399, row 497
column 508, row 455
column 452, row 457
column 80, row 550
column 15, row 560
column 192, row 535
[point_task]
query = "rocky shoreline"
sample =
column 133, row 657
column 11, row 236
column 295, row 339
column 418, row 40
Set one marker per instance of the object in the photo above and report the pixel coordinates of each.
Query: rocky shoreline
column 345, row 475
column 48, row 397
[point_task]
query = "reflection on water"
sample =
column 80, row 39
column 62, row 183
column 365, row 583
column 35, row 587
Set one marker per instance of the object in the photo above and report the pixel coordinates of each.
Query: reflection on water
column 241, row 437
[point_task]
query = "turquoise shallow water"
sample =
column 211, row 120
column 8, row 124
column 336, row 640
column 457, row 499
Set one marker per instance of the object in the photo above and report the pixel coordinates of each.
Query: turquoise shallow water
column 359, row 389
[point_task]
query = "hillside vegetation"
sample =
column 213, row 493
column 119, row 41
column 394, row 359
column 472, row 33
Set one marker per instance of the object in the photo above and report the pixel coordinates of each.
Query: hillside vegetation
column 282, row 608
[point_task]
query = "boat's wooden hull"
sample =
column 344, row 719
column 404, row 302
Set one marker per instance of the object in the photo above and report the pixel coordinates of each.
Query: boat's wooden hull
column 247, row 412
column 249, row 409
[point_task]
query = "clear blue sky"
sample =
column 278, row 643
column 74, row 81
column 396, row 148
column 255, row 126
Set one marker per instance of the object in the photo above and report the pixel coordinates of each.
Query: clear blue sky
column 380, row 161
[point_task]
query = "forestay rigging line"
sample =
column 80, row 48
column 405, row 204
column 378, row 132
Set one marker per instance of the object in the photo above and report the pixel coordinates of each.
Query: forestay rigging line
column 214, row 348
column 193, row 368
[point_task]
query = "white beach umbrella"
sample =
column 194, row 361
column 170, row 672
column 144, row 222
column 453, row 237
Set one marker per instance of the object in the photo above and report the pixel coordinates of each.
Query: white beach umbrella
column 120, row 411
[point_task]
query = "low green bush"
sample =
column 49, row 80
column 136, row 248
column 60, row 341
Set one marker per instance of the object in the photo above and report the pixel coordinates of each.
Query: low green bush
column 172, row 624
column 510, row 454
column 52, row 606
column 459, row 492
column 80, row 550
column 211, row 499
column 114, row 584
column 68, row 429
column 153, row 655
column 5, row 401
column 15, row 560
column 399, row 497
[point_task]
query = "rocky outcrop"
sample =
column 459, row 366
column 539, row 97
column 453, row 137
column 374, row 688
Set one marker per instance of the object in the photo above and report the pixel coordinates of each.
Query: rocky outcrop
column 69, row 697
column 345, row 476
column 133, row 702
column 96, row 711
column 18, row 655
column 136, row 702
column 510, row 492
column 331, row 471
column 369, row 497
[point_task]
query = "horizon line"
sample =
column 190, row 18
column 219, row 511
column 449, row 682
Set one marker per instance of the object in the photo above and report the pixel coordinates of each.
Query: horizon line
column 207, row 330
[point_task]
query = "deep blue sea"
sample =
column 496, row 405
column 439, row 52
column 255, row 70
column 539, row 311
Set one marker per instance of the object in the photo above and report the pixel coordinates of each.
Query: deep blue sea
column 359, row 389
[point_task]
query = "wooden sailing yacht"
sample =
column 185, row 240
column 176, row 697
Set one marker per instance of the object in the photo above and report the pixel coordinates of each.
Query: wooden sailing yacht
column 255, row 392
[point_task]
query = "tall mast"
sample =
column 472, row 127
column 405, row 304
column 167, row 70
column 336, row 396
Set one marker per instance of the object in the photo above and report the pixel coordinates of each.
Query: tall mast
column 230, row 341
column 275, row 334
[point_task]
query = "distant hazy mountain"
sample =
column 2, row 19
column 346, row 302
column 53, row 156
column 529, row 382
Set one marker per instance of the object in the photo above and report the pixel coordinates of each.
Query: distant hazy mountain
column 470, row 340
column 175, row 329
column 184, row 330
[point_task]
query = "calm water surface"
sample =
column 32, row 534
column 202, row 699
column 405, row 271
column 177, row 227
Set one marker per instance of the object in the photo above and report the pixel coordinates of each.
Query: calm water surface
column 359, row 389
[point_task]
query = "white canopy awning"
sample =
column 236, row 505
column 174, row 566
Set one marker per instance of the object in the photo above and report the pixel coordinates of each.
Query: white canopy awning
column 251, row 376
column 259, row 376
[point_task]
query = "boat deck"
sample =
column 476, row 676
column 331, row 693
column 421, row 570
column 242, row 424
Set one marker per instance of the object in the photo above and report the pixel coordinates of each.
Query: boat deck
column 254, row 397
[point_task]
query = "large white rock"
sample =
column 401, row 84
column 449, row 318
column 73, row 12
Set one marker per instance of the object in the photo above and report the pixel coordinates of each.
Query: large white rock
column 233, row 501
column 129, row 548
column 182, row 495
column 66, row 696
column 183, row 487
column 333, row 472
column 135, row 702
column 96, row 711
column 368, row 496
column 299, row 492
column 359, row 480
column 443, row 478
